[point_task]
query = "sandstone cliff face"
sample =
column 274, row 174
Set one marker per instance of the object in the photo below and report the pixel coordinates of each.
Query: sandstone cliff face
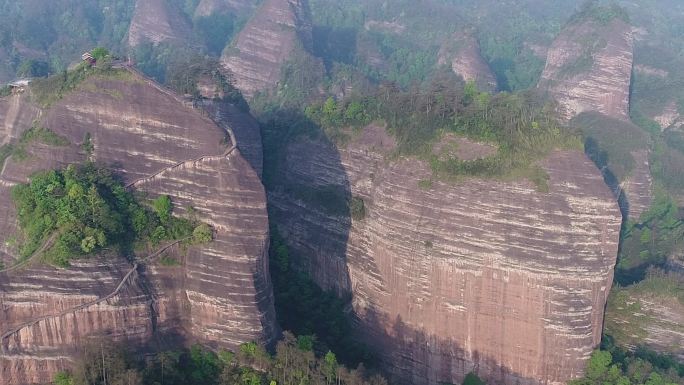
column 462, row 53
column 157, row 21
column 220, row 295
column 268, row 40
column 16, row 115
column 589, row 67
column 33, row 353
column 486, row 276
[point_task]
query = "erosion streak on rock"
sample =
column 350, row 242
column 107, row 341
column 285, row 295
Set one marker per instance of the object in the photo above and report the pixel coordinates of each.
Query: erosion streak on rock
column 589, row 68
column 157, row 21
column 481, row 275
column 221, row 294
column 116, row 291
column 266, row 43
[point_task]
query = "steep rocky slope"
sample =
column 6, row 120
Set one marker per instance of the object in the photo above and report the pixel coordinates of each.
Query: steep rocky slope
column 157, row 21
column 220, row 294
column 589, row 67
column 446, row 278
column 462, row 53
column 277, row 29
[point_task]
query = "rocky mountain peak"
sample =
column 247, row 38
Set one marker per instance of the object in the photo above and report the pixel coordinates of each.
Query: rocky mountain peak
column 276, row 31
column 157, row 21
column 589, row 67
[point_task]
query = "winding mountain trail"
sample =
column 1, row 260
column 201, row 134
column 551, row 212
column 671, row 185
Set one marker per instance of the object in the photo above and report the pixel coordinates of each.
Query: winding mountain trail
column 48, row 243
column 74, row 309
column 180, row 100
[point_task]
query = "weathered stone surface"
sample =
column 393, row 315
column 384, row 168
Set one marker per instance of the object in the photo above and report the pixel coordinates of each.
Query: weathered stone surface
column 462, row 53
column 482, row 275
column 220, row 294
column 34, row 353
column 266, row 43
column 16, row 115
column 157, row 21
column 589, row 66
column 245, row 128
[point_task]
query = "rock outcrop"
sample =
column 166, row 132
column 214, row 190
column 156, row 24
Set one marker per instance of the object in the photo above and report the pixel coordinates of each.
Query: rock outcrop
column 446, row 278
column 589, row 66
column 277, row 29
column 157, row 21
column 462, row 53
column 220, row 294
column 649, row 314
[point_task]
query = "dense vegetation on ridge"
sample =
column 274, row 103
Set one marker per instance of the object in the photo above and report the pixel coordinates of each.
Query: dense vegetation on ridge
column 85, row 209
column 521, row 126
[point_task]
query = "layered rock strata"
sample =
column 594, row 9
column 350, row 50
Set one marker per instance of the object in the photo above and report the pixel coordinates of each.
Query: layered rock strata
column 487, row 276
column 157, row 21
column 220, row 294
column 277, row 29
column 589, row 66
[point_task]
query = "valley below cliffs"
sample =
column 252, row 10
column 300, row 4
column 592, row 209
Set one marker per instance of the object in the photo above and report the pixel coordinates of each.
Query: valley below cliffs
column 446, row 278
column 218, row 293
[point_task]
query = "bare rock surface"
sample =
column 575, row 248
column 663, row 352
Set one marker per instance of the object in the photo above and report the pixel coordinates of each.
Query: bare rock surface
column 157, row 21
column 266, row 43
column 484, row 275
column 462, row 53
column 589, row 66
column 245, row 128
column 221, row 292
column 16, row 115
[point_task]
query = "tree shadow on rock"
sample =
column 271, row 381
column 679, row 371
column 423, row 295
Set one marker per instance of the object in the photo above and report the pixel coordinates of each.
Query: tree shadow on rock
column 410, row 355
column 309, row 199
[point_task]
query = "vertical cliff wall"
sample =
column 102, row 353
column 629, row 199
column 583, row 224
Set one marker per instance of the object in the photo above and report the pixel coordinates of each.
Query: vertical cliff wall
column 588, row 67
column 220, row 295
column 487, row 276
column 268, row 40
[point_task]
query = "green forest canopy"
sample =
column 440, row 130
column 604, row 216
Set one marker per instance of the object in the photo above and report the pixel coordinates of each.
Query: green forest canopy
column 85, row 209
